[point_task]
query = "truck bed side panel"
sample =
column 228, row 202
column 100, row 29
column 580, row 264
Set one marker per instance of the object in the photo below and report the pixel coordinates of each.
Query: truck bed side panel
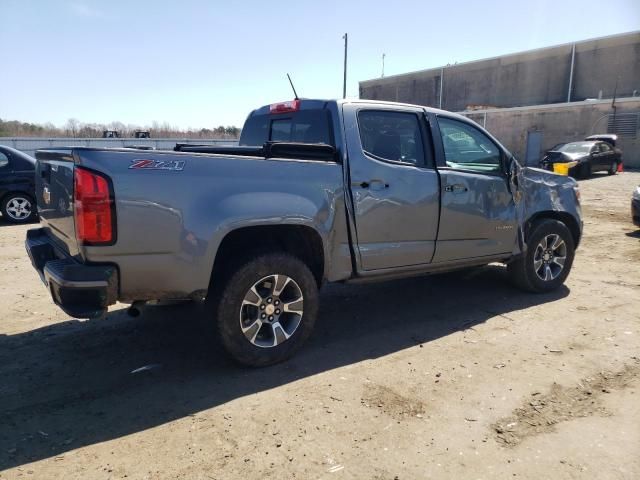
column 171, row 222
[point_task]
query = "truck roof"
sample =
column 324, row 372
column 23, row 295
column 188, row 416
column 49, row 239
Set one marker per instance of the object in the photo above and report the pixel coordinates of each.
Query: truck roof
column 312, row 103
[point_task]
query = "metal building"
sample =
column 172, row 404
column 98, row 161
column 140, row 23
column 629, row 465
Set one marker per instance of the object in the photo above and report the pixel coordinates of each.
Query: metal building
column 574, row 82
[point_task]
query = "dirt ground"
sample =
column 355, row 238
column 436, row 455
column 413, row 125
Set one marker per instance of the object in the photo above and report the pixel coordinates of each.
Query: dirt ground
column 454, row 376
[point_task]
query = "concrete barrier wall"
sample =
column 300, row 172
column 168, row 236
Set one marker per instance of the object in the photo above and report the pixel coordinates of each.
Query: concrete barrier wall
column 29, row 145
column 567, row 122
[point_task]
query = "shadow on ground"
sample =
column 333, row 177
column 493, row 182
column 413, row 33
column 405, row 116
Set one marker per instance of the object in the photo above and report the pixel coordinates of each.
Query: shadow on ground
column 69, row 384
column 6, row 223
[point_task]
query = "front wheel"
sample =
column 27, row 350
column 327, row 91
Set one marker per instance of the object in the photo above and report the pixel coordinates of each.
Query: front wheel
column 18, row 208
column 548, row 259
column 267, row 309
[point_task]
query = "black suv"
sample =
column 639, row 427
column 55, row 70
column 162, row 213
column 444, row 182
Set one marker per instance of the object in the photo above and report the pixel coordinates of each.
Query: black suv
column 17, row 189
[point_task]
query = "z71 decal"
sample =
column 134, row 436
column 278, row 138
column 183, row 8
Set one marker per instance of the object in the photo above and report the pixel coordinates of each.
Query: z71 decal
column 172, row 165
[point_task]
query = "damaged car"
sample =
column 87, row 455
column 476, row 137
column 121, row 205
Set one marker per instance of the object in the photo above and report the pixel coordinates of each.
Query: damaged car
column 580, row 159
column 317, row 191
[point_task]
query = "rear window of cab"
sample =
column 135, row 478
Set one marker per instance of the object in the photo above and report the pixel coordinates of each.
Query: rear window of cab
column 305, row 126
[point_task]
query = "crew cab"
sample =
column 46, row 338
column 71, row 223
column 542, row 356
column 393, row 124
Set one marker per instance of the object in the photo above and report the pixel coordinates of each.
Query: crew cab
column 316, row 191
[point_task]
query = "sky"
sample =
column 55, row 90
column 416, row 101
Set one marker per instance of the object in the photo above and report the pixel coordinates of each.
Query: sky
column 201, row 64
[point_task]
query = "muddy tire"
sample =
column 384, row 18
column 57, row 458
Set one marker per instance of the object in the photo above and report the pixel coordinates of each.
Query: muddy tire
column 548, row 260
column 267, row 309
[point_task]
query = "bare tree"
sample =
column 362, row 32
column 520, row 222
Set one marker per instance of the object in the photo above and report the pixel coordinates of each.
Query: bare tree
column 75, row 128
column 72, row 126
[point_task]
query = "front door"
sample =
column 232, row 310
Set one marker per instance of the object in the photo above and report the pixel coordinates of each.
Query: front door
column 606, row 156
column 393, row 184
column 478, row 217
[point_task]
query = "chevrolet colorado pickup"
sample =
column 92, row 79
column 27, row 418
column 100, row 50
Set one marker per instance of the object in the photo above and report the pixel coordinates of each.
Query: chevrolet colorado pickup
column 316, row 191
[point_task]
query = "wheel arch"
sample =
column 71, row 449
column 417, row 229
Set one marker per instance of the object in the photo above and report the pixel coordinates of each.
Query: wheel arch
column 12, row 192
column 302, row 241
column 569, row 220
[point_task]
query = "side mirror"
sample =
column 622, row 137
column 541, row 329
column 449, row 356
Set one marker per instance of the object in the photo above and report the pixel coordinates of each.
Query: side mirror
column 514, row 168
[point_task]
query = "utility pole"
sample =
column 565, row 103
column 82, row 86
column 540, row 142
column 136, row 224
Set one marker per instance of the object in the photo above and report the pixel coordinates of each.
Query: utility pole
column 383, row 55
column 344, row 83
column 614, row 107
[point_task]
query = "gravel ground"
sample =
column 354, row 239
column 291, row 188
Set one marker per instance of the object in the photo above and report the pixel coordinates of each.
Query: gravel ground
column 452, row 376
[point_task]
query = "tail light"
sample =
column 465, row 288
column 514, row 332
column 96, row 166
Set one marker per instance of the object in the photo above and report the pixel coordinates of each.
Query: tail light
column 93, row 208
column 284, row 107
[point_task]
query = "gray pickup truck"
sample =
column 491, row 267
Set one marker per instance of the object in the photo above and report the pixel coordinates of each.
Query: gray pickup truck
column 317, row 191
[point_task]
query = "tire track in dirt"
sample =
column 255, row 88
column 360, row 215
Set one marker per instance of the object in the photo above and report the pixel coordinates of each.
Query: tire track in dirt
column 543, row 412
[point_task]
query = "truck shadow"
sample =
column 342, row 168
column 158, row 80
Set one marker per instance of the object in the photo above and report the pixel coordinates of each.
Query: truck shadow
column 69, row 385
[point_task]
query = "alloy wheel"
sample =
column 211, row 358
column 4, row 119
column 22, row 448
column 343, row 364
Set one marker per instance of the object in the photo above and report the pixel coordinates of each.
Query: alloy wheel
column 271, row 311
column 549, row 257
column 18, row 208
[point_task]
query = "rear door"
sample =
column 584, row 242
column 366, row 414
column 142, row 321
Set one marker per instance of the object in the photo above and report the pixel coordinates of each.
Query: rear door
column 607, row 156
column 393, row 184
column 478, row 216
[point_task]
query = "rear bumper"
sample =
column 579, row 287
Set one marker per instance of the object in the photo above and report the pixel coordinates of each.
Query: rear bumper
column 82, row 291
column 572, row 168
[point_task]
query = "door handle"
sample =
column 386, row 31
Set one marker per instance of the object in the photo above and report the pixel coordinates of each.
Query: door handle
column 457, row 188
column 374, row 184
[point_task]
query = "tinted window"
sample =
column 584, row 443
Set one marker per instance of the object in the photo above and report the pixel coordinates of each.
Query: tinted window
column 394, row 136
column 4, row 161
column 306, row 126
column 604, row 147
column 467, row 147
column 576, row 147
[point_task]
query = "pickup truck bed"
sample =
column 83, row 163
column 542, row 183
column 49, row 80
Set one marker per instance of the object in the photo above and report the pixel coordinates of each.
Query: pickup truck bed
column 317, row 191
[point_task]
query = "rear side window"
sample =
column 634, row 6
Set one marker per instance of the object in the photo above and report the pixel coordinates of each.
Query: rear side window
column 306, row 126
column 605, row 147
column 391, row 136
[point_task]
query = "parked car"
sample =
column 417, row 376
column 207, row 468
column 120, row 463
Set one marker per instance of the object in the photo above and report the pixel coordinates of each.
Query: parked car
column 584, row 158
column 317, row 191
column 17, row 190
column 635, row 206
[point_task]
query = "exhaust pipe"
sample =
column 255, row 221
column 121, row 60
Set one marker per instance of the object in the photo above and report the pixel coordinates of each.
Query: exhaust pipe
column 135, row 309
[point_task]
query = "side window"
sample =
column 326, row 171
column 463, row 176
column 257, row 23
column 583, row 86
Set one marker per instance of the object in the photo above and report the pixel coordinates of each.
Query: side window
column 391, row 136
column 4, row 161
column 467, row 148
column 604, row 147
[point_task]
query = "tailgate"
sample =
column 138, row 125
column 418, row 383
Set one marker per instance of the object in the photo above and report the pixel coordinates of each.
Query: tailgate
column 54, row 195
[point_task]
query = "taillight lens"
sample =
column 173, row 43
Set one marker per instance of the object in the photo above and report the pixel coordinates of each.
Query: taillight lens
column 284, row 107
column 95, row 223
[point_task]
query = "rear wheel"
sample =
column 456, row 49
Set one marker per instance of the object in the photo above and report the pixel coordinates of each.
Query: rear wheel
column 18, row 208
column 548, row 259
column 267, row 309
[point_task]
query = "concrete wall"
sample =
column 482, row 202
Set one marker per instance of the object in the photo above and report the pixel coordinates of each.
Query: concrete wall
column 529, row 78
column 560, row 123
column 29, row 145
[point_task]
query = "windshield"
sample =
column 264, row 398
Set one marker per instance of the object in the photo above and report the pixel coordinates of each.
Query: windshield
column 578, row 147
